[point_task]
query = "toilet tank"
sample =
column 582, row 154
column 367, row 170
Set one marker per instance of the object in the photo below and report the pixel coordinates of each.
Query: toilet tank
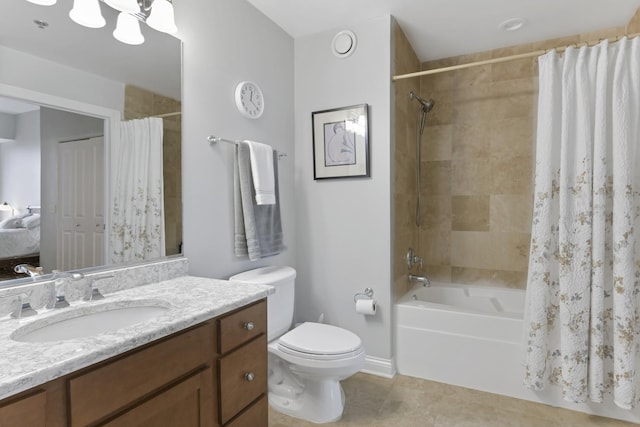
column 279, row 304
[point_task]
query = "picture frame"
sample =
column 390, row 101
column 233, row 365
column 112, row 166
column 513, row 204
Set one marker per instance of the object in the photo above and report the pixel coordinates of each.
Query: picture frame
column 341, row 142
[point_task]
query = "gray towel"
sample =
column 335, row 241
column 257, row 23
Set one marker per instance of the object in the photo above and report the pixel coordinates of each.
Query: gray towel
column 258, row 228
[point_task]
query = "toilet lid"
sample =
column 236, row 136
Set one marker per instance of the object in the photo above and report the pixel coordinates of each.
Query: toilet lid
column 318, row 338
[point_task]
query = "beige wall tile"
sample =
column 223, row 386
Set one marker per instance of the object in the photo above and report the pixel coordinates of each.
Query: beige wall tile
column 438, row 273
column 405, row 164
column 470, row 213
column 634, row 23
column 435, row 247
column 508, row 251
column 471, row 140
column 471, row 177
column 436, row 178
column 513, row 98
column 477, row 276
column 437, row 142
column 511, row 175
column 512, row 137
column 472, row 104
column 511, row 213
column 436, row 213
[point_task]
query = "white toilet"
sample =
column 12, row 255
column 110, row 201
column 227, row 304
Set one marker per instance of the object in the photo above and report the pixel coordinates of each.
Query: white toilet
column 307, row 363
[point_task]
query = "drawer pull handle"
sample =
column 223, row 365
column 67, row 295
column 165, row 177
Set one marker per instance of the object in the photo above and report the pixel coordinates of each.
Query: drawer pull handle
column 249, row 376
column 248, row 326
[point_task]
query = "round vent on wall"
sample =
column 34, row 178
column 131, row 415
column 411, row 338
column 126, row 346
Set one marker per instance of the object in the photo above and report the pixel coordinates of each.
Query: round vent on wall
column 344, row 44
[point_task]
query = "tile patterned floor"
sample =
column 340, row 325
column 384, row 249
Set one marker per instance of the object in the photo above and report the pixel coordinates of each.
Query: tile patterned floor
column 409, row 402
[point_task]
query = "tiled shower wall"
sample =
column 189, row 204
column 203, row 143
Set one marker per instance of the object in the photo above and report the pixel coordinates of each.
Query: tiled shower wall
column 405, row 236
column 140, row 103
column 477, row 167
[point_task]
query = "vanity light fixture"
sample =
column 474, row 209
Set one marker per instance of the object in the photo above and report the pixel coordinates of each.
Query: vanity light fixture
column 43, row 2
column 129, row 6
column 128, row 29
column 158, row 14
column 87, row 13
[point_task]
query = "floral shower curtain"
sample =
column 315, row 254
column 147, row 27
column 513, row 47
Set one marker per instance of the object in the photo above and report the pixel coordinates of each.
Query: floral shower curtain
column 582, row 293
column 137, row 193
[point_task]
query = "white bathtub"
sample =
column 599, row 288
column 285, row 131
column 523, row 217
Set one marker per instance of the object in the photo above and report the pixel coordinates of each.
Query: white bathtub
column 471, row 336
column 461, row 335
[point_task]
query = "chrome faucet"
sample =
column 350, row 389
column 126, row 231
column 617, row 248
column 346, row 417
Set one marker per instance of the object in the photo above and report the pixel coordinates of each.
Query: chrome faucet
column 28, row 269
column 59, row 300
column 24, row 308
column 95, row 292
column 420, row 279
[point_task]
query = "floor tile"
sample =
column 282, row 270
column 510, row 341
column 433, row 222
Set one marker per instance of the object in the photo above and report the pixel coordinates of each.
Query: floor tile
column 412, row 402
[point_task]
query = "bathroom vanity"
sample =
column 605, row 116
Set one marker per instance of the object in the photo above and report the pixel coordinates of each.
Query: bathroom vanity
column 203, row 362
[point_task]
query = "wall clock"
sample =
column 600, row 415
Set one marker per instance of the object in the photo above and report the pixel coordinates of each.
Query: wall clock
column 249, row 99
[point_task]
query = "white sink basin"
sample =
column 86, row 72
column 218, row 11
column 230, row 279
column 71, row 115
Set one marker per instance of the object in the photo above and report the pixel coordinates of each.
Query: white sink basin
column 90, row 320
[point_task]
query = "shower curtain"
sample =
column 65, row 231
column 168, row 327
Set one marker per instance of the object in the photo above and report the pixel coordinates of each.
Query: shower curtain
column 582, row 293
column 137, row 193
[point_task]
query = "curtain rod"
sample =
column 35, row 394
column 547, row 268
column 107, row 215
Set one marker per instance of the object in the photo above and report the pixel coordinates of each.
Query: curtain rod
column 507, row 58
column 177, row 113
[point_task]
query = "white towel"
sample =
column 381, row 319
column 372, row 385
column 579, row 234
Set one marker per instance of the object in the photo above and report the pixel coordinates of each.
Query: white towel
column 261, row 156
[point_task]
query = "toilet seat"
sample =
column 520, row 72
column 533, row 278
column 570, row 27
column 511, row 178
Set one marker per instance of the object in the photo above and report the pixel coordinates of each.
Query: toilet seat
column 319, row 341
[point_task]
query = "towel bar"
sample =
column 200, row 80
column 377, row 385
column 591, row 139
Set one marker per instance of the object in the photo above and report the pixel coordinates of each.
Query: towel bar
column 215, row 139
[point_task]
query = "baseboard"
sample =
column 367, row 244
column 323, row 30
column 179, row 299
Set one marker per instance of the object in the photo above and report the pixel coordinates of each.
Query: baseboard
column 381, row 367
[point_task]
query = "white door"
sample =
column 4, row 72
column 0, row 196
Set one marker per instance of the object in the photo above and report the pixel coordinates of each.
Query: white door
column 80, row 204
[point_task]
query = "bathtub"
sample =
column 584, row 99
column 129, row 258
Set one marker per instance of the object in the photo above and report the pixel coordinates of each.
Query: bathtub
column 472, row 336
column 461, row 335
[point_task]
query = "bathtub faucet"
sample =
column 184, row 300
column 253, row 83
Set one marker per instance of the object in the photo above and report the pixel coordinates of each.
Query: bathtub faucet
column 421, row 279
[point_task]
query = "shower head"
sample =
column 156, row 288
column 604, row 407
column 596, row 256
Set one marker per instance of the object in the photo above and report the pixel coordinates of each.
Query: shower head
column 427, row 104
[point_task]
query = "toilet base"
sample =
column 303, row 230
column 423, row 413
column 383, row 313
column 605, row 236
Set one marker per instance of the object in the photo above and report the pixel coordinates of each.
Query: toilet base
column 321, row 402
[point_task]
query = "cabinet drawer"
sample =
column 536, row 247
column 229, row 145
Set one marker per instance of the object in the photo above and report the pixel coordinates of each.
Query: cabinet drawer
column 28, row 411
column 108, row 388
column 257, row 415
column 237, row 390
column 186, row 404
column 241, row 326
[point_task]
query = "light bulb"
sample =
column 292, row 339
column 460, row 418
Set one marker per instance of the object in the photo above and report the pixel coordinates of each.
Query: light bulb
column 128, row 29
column 162, row 17
column 87, row 13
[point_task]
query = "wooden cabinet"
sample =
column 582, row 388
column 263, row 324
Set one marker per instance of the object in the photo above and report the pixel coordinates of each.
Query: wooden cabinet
column 29, row 410
column 242, row 365
column 213, row 374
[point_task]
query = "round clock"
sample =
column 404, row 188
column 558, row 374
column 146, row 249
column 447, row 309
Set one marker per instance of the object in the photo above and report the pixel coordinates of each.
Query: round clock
column 249, row 99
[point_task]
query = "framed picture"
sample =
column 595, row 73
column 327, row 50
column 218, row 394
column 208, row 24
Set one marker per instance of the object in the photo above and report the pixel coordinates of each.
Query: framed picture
column 341, row 142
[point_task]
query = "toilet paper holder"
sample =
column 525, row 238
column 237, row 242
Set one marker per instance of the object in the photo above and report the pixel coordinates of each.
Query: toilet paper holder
column 367, row 294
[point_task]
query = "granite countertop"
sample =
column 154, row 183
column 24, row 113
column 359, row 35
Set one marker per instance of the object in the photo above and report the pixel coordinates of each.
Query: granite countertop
column 190, row 300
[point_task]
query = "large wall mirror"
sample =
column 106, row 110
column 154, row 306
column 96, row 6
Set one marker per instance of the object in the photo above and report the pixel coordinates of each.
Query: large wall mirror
column 65, row 92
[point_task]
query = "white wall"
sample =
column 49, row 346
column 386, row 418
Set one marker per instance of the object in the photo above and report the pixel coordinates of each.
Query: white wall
column 20, row 163
column 344, row 225
column 57, row 126
column 40, row 75
column 7, row 127
column 226, row 41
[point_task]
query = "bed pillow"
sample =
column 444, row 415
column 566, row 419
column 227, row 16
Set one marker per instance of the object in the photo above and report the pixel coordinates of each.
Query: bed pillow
column 13, row 222
column 31, row 221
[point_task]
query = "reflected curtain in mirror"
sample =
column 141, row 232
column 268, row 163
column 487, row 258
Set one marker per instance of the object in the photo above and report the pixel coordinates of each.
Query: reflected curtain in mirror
column 137, row 214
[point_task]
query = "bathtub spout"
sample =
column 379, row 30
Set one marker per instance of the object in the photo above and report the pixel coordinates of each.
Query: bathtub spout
column 421, row 279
